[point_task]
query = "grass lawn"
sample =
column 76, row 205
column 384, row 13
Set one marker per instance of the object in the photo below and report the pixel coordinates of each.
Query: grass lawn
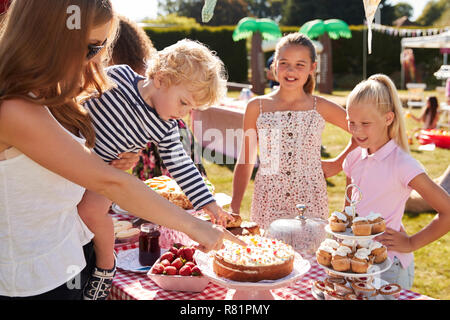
column 432, row 263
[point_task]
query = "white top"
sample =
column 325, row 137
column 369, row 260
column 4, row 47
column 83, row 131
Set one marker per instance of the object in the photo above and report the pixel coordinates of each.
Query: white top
column 41, row 233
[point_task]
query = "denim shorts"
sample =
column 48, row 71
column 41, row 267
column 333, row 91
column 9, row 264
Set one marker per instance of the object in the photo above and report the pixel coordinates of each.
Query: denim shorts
column 399, row 275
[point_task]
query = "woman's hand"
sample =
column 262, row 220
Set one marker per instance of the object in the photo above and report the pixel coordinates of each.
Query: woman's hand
column 211, row 236
column 217, row 214
column 396, row 240
column 126, row 160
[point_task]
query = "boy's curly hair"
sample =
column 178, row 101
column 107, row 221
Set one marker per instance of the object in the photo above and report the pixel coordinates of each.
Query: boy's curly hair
column 133, row 46
column 191, row 62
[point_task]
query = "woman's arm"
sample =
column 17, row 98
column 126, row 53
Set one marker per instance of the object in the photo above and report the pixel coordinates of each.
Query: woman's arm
column 31, row 129
column 439, row 199
column 336, row 115
column 247, row 156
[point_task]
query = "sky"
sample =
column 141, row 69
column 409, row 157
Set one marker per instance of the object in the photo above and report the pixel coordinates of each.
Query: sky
column 139, row 9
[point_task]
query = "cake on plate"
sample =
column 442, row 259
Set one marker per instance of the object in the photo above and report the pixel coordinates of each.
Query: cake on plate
column 262, row 259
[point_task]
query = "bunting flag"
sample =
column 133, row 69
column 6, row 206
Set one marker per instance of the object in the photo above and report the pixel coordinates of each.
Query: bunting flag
column 370, row 7
column 403, row 32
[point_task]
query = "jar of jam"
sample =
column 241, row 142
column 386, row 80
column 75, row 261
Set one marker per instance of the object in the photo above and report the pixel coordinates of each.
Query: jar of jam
column 149, row 249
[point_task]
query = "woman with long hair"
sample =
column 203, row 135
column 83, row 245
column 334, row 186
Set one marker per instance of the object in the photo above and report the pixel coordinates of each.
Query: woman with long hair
column 51, row 55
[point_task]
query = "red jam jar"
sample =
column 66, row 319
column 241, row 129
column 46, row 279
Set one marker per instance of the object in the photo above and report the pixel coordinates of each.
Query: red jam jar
column 149, row 249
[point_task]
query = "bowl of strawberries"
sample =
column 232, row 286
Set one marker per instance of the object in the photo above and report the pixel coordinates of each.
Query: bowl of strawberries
column 177, row 270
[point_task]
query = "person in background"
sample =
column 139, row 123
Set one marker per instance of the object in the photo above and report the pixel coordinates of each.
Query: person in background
column 430, row 114
column 447, row 91
column 269, row 73
column 386, row 174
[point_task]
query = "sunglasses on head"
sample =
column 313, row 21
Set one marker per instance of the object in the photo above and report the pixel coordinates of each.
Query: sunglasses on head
column 94, row 50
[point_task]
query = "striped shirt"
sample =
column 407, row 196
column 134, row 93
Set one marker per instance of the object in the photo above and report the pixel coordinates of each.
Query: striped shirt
column 124, row 122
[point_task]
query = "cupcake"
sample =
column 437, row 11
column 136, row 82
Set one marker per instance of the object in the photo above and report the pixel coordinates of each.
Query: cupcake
column 331, row 243
column 364, row 289
column 319, row 288
column 360, row 261
column 347, row 243
column 331, row 282
column 363, row 244
column 368, row 279
column 361, row 227
column 324, row 255
column 390, row 290
column 348, row 211
column 332, row 295
column 378, row 251
column 377, row 221
column 342, row 289
column 338, row 221
column 341, row 259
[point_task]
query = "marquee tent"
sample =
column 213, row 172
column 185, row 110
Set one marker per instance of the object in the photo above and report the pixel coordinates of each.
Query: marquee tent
column 441, row 40
column 437, row 41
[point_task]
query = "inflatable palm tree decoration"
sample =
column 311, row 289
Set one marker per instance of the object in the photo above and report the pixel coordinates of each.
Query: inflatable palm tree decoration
column 258, row 29
column 331, row 28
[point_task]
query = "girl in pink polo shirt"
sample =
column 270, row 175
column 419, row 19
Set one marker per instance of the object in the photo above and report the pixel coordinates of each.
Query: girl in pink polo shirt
column 386, row 174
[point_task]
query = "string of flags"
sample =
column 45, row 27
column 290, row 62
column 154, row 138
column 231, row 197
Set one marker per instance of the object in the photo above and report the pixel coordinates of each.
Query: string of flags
column 403, row 32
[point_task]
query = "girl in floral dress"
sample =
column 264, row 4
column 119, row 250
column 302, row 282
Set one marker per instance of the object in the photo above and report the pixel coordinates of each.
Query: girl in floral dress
column 287, row 126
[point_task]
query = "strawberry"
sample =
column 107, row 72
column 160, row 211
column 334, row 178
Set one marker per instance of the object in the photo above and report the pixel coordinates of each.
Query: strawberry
column 177, row 245
column 196, row 271
column 185, row 271
column 190, row 264
column 177, row 263
column 158, row 268
column 169, row 256
column 187, row 253
column 170, row 271
column 165, row 263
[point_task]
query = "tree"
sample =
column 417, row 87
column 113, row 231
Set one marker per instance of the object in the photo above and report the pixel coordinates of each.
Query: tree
column 433, row 11
column 297, row 12
column 402, row 9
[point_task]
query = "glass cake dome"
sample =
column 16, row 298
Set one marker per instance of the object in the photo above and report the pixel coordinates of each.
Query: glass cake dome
column 304, row 234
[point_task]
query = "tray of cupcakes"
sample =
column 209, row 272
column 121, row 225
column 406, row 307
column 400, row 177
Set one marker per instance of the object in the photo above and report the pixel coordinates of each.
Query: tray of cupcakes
column 354, row 288
column 353, row 258
column 345, row 225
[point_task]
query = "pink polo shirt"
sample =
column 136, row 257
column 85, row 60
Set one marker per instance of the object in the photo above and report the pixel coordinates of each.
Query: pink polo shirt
column 383, row 178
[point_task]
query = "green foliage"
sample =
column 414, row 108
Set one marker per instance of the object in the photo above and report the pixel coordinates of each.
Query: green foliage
column 432, row 13
column 351, row 11
column 219, row 39
column 173, row 20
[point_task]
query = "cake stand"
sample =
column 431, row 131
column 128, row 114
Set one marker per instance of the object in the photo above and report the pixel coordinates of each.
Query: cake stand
column 251, row 290
column 374, row 269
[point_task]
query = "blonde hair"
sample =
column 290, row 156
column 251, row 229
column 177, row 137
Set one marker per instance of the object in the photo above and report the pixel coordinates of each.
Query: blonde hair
column 380, row 91
column 299, row 39
column 39, row 53
column 191, row 62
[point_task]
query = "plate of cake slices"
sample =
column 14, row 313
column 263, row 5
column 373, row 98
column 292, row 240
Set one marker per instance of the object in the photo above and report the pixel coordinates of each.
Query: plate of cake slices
column 362, row 288
column 262, row 265
column 353, row 258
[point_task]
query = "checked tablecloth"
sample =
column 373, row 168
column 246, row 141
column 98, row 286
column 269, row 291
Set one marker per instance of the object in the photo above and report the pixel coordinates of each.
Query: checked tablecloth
column 129, row 285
